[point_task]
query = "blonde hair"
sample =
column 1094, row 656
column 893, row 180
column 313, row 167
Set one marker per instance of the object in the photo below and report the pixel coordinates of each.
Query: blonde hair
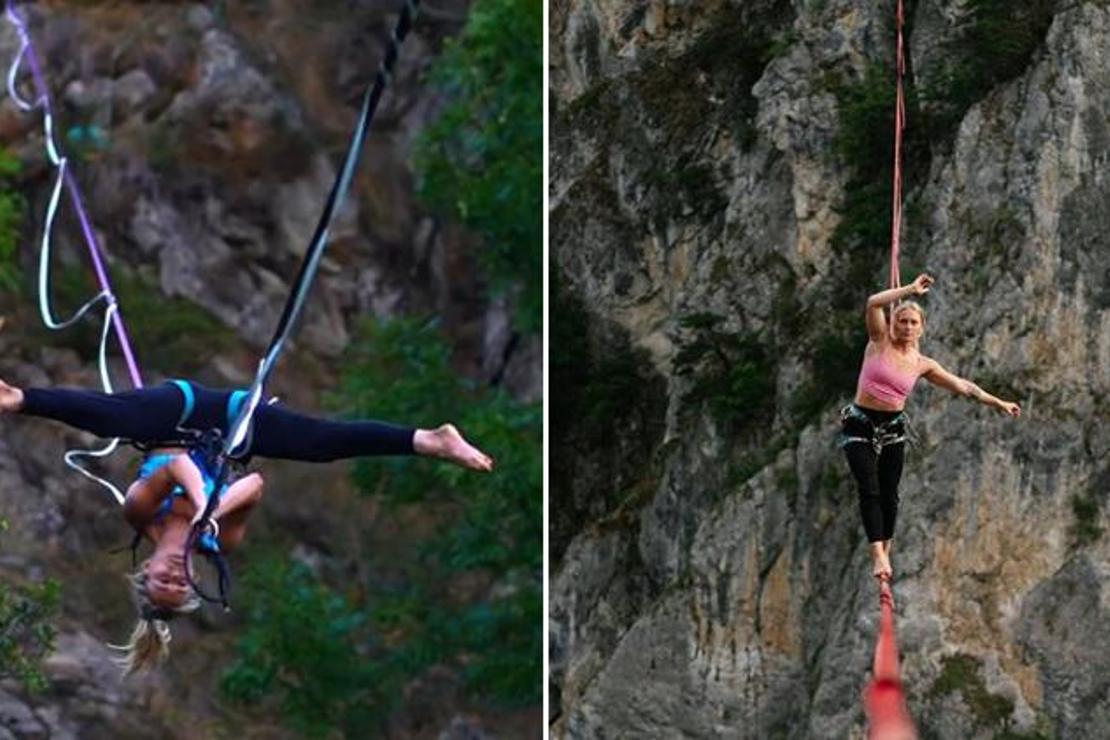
column 149, row 643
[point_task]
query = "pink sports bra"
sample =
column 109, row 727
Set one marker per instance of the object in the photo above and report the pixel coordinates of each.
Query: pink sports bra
column 881, row 379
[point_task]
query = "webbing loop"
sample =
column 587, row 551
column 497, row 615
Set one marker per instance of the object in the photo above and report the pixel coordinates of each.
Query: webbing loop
column 64, row 180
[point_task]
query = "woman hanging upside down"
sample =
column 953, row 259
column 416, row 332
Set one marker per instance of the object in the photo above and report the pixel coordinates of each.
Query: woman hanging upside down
column 173, row 486
column 874, row 428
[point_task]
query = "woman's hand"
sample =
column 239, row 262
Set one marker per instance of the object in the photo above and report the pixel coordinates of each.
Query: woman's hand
column 1009, row 408
column 922, row 283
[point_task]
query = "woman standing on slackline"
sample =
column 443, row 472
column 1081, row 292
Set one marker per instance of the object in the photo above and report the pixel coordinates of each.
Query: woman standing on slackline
column 873, row 435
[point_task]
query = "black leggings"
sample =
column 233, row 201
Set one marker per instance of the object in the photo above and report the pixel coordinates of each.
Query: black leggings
column 876, row 475
column 151, row 415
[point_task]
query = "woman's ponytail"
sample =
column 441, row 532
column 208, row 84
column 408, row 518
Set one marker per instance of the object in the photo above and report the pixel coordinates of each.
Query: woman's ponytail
column 148, row 646
column 149, row 643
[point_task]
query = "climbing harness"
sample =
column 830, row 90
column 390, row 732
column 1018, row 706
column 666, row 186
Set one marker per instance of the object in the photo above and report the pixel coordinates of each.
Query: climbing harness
column 888, row 433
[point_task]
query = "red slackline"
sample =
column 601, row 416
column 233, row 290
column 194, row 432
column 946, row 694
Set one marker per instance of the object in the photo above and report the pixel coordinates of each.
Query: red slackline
column 884, row 700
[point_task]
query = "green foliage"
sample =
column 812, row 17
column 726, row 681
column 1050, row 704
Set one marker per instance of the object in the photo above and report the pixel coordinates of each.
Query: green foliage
column 596, row 386
column 26, row 634
column 400, row 369
column 993, row 44
column 864, row 142
column 482, row 160
column 866, row 121
column 12, row 209
column 310, row 648
column 781, row 43
column 733, row 372
column 1087, row 511
column 1043, row 730
column 961, row 673
column 174, row 335
column 835, row 358
column 333, row 663
column 686, row 188
column 610, row 412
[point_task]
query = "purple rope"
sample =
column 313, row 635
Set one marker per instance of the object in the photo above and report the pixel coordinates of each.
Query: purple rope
column 78, row 204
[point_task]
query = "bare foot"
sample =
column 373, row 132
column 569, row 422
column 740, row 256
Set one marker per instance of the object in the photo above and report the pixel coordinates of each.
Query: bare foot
column 880, row 567
column 446, row 443
column 886, row 572
column 11, row 398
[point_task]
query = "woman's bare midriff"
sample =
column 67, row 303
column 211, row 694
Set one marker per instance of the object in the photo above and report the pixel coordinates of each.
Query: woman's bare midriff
column 867, row 401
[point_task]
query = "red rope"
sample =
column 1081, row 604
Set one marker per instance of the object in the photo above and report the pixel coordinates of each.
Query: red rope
column 899, row 126
column 884, row 699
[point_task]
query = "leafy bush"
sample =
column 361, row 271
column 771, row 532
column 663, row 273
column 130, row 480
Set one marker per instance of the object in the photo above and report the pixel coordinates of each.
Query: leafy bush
column 309, row 647
column 482, row 160
column 400, row 369
column 12, row 209
column 1087, row 510
column 835, row 359
column 610, row 415
column 961, row 674
column 333, row 662
column 994, row 43
column 26, row 634
column 170, row 334
column 733, row 372
column 866, row 121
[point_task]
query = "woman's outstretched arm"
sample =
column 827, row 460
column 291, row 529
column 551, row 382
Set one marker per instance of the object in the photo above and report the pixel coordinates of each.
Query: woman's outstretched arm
column 941, row 378
column 876, row 319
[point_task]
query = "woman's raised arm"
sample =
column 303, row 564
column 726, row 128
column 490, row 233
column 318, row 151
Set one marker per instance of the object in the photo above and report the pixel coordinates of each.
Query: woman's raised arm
column 876, row 319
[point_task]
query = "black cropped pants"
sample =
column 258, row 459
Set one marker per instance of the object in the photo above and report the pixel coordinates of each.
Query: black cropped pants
column 152, row 415
column 877, row 467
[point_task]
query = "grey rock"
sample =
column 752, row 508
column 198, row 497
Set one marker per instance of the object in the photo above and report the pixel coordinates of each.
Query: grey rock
column 19, row 719
column 199, row 17
column 132, row 91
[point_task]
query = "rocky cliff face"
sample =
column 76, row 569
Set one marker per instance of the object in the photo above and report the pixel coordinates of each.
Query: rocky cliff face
column 205, row 138
column 710, row 576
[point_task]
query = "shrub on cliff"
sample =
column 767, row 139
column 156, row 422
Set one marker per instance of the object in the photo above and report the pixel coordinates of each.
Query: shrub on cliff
column 481, row 162
column 463, row 590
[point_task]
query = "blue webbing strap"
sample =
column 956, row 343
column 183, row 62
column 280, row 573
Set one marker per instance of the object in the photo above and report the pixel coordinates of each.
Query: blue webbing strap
column 234, row 404
column 190, row 401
